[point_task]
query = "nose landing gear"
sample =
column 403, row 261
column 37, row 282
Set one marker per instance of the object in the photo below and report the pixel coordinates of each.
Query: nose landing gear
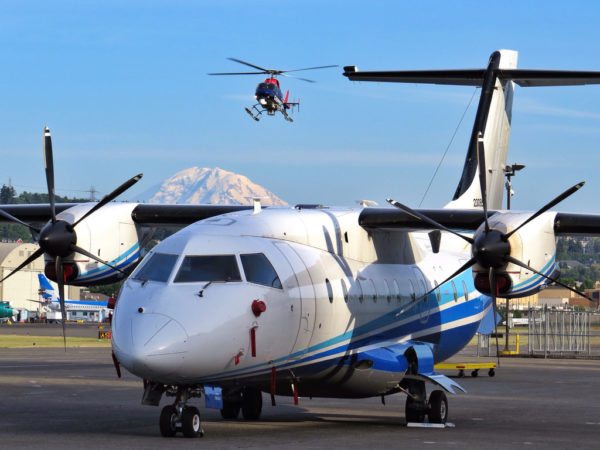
column 180, row 417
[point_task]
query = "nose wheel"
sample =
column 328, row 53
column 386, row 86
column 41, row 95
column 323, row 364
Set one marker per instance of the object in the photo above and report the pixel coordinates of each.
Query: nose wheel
column 187, row 420
column 180, row 417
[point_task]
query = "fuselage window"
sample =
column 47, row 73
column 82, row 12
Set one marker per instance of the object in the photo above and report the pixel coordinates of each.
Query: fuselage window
column 389, row 293
column 157, row 267
column 397, row 291
column 454, row 291
column 413, row 293
column 259, row 270
column 437, row 291
column 465, row 291
column 374, row 290
column 344, row 290
column 329, row 290
column 208, row 268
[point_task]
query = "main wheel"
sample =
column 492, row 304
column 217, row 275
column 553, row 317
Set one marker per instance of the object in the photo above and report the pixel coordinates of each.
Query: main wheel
column 190, row 422
column 168, row 421
column 251, row 403
column 230, row 410
column 414, row 411
column 438, row 407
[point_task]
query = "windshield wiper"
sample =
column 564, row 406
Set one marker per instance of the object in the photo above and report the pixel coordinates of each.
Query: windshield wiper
column 201, row 293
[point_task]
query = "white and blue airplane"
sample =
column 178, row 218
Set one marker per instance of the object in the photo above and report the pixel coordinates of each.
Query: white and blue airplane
column 51, row 301
column 313, row 300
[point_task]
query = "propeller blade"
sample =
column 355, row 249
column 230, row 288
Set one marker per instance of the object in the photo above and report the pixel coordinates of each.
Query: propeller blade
column 15, row 220
column 426, row 219
column 549, row 205
column 83, row 251
column 252, row 65
column 482, row 178
column 237, row 73
column 39, row 252
column 60, row 279
column 110, row 197
column 297, row 78
column 494, row 292
column 525, row 266
column 49, row 164
column 464, row 267
column 310, row 68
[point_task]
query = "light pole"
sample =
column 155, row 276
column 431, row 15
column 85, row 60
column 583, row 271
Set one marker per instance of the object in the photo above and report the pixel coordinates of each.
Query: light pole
column 509, row 172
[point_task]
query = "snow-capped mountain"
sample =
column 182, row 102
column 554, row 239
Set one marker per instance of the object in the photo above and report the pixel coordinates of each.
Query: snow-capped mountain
column 200, row 185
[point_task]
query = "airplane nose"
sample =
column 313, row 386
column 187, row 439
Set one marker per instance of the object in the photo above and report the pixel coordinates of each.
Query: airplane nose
column 150, row 345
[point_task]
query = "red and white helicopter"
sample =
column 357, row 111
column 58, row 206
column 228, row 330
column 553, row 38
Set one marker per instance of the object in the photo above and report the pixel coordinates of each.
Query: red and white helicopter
column 268, row 94
column 313, row 300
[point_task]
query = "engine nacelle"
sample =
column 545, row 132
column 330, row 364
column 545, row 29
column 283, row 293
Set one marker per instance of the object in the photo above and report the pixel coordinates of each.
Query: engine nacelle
column 110, row 234
column 534, row 244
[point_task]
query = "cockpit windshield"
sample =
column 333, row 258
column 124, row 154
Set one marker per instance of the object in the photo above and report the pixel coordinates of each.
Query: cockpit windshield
column 268, row 86
column 259, row 270
column 157, row 267
column 208, row 268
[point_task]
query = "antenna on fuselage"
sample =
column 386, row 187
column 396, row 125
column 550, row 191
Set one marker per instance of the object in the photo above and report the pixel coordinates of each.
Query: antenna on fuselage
column 257, row 205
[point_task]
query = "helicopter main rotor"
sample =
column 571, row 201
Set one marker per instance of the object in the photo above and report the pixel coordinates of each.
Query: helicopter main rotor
column 272, row 72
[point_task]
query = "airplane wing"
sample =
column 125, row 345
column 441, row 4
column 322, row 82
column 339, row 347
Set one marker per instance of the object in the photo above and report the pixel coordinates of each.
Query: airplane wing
column 565, row 224
column 149, row 214
column 142, row 214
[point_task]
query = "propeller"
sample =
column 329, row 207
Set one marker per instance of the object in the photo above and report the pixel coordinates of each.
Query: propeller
column 272, row 72
column 490, row 248
column 58, row 239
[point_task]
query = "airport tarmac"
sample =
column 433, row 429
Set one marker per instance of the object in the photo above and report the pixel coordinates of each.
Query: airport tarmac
column 53, row 399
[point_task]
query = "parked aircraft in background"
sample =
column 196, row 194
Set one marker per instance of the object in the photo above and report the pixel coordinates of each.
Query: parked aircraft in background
column 314, row 300
column 95, row 309
column 6, row 311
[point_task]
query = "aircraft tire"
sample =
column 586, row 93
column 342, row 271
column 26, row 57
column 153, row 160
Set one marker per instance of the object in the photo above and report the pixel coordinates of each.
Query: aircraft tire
column 190, row 422
column 438, row 407
column 251, row 403
column 414, row 411
column 167, row 423
column 230, row 410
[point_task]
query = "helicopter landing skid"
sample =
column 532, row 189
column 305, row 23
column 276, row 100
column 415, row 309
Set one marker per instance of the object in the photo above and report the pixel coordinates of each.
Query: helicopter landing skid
column 258, row 112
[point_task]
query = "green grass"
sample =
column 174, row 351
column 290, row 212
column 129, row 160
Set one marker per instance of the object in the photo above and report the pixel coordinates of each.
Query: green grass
column 26, row 341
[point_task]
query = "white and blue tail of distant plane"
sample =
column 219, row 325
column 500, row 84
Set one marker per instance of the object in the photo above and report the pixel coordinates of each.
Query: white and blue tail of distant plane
column 47, row 291
column 52, row 299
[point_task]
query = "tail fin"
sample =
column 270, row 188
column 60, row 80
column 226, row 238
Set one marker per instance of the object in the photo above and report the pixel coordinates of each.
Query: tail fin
column 48, row 292
column 287, row 94
column 493, row 113
column 493, row 120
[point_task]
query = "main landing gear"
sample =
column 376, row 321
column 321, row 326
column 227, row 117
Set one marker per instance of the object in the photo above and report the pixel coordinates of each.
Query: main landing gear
column 417, row 406
column 248, row 400
column 181, row 417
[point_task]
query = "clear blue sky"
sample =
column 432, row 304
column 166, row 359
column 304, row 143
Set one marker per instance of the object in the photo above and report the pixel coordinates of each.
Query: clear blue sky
column 123, row 88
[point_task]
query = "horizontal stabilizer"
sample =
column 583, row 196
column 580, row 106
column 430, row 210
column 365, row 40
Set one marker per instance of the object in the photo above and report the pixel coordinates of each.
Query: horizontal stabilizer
column 474, row 77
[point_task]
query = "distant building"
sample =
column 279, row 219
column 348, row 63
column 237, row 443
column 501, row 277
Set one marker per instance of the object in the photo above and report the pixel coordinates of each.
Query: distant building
column 23, row 286
column 569, row 264
column 554, row 297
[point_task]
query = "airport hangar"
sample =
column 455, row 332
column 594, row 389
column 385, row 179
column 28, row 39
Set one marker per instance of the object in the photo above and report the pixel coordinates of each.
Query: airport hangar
column 23, row 286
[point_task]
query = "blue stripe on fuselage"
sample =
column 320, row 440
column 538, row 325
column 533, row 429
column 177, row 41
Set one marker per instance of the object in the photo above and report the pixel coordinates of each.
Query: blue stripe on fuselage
column 127, row 258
